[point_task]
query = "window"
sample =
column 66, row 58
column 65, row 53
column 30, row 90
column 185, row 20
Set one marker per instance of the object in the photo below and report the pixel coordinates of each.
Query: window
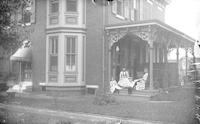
column 120, row 7
column 27, row 17
column 70, row 53
column 53, row 53
column 71, row 6
column 54, row 6
column 27, row 14
column 134, row 10
column 53, row 10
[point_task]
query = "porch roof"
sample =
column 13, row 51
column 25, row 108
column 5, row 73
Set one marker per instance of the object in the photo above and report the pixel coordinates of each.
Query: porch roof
column 157, row 23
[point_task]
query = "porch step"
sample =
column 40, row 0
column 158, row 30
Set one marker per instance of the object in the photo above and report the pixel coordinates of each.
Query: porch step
column 136, row 93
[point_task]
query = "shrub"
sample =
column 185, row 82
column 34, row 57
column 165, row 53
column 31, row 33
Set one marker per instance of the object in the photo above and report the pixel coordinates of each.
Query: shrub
column 104, row 99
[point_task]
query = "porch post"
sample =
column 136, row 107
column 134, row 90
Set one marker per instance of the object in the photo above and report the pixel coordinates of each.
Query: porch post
column 109, row 64
column 151, row 65
column 177, row 60
column 186, row 61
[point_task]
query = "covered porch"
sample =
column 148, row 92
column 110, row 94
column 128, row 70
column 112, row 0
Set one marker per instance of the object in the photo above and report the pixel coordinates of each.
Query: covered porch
column 146, row 44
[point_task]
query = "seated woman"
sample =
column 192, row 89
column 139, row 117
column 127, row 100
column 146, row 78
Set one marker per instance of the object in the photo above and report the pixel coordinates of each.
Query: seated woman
column 140, row 83
column 114, row 86
column 124, row 79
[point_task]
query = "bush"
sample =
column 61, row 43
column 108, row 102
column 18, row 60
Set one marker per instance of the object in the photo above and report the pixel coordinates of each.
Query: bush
column 104, row 99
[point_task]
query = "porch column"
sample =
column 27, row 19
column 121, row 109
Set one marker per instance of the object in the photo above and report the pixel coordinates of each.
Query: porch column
column 177, row 60
column 151, row 64
column 109, row 64
column 186, row 61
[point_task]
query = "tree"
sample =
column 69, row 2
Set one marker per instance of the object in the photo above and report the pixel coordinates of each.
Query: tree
column 11, row 23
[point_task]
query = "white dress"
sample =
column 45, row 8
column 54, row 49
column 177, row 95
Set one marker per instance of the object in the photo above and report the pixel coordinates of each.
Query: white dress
column 141, row 82
column 124, row 81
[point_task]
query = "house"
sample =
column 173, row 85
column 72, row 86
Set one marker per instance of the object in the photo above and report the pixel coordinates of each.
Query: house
column 79, row 42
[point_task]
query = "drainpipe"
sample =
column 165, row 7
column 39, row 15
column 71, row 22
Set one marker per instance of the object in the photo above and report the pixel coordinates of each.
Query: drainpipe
column 103, row 45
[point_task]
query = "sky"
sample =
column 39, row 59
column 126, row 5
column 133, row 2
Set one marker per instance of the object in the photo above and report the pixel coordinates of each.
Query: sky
column 184, row 15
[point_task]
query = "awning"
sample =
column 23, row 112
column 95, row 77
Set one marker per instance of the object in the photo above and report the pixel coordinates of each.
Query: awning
column 23, row 53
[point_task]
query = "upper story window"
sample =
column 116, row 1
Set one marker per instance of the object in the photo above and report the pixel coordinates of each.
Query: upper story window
column 71, row 5
column 134, row 12
column 53, row 10
column 26, row 15
column 54, row 6
column 121, row 8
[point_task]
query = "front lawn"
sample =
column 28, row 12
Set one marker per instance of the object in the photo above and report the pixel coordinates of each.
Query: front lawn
column 179, row 112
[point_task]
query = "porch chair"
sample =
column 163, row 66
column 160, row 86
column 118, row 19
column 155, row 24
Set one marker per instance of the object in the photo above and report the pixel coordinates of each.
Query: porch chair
column 114, row 86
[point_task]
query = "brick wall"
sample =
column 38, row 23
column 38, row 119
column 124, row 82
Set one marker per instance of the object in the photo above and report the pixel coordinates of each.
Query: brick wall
column 94, row 40
column 38, row 38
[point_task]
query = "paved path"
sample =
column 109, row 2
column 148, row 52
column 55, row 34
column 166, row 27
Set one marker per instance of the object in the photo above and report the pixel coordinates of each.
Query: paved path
column 71, row 115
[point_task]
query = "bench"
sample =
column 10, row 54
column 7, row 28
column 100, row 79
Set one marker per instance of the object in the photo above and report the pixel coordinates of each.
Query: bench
column 43, row 85
column 92, row 88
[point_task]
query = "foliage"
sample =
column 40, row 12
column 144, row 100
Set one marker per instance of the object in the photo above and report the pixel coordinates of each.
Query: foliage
column 104, row 99
column 10, row 25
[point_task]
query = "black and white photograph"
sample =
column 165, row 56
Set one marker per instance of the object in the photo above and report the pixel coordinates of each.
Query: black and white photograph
column 99, row 61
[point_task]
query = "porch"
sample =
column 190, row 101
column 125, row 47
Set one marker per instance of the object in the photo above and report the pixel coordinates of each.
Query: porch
column 146, row 44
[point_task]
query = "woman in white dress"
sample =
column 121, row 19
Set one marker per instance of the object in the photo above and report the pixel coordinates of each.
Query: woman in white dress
column 140, row 83
column 124, row 79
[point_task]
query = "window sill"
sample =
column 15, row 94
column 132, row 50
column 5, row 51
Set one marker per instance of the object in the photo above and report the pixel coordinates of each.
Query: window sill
column 53, row 14
column 71, row 13
column 120, row 17
column 52, row 72
column 70, row 73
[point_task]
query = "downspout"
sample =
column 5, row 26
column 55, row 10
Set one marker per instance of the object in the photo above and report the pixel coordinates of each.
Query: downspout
column 103, row 52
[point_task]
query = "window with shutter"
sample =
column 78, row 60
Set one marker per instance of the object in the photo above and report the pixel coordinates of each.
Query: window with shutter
column 126, row 8
column 54, row 12
column 29, row 13
column 133, row 10
column 120, row 7
column 33, row 11
column 114, row 7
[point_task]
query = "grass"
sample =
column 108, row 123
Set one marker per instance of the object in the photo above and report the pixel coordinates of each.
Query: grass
column 179, row 111
column 174, row 94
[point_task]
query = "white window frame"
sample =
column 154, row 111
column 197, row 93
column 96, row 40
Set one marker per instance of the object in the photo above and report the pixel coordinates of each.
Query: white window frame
column 133, row 9
column 53, row 52
column 122, row 8
column 53, row 15
column 71, row 54
column 125, row 9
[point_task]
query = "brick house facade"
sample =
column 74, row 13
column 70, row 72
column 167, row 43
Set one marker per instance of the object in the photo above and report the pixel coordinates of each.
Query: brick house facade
column 72, row 40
